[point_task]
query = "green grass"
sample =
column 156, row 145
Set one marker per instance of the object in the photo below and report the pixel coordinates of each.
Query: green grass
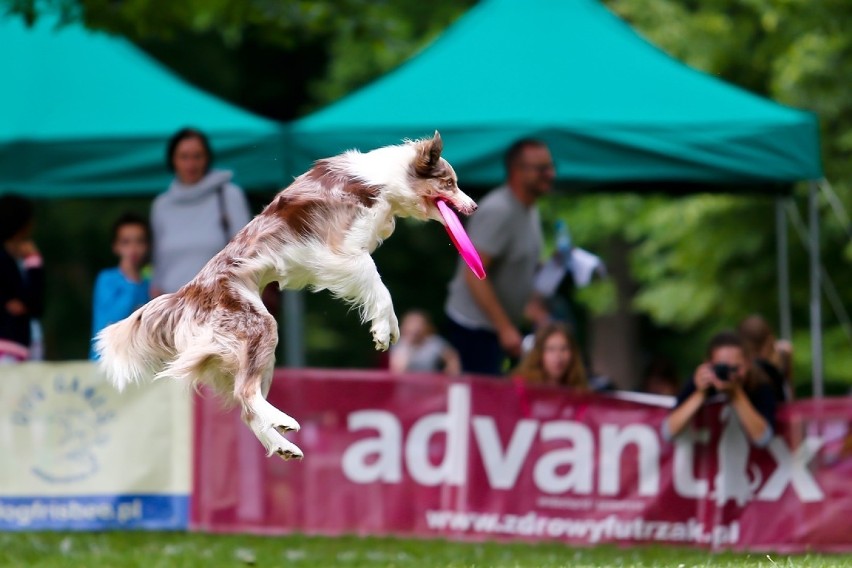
column 155, row 550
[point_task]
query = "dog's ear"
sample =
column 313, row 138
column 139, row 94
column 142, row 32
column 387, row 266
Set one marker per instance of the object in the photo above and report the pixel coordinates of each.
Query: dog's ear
column 428, row 155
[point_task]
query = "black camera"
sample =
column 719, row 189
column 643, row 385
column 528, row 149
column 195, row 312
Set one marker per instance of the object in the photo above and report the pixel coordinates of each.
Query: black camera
column 723, row 371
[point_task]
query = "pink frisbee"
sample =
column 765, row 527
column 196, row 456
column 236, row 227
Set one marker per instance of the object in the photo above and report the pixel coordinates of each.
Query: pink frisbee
column 460, row 239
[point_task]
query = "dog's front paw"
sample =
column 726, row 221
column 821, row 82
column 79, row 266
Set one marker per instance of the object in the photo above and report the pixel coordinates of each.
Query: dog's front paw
column 385, row 331
column 381, row 337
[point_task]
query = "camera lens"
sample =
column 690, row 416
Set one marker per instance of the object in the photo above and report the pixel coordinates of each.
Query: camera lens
column 723, row 371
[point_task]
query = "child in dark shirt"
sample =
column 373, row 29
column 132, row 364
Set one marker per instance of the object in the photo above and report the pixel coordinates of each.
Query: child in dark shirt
column 21, row 278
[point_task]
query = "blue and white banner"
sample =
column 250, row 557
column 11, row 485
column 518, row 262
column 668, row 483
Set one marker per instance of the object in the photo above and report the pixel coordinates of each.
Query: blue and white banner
column 77, row 455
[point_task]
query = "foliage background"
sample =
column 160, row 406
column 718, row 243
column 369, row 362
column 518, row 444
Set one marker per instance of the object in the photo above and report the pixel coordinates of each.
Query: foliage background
column 697, row 263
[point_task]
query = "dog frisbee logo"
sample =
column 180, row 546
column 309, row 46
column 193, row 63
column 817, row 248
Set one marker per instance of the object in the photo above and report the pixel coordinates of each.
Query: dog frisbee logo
column 67, row 419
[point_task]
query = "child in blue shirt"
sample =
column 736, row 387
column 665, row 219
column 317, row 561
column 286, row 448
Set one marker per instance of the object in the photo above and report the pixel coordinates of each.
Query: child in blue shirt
column 121, row 290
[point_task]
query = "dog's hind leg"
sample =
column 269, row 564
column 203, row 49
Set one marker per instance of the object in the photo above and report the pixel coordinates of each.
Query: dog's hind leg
column 268, row 424
column 250, row 388
column 267, row 381
column 280, row 420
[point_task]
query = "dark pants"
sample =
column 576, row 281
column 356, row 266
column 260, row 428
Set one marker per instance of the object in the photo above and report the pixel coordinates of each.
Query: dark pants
column 479, row 349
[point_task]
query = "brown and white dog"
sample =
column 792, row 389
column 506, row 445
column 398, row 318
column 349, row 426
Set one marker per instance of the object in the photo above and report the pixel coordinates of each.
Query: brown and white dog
column 318, row 233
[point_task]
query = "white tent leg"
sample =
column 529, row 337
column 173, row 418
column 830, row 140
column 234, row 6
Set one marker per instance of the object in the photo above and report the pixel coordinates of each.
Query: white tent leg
column 785, row 318
column 816, row 311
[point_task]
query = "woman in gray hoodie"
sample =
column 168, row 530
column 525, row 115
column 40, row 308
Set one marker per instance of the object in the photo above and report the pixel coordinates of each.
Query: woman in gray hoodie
column 196, row 217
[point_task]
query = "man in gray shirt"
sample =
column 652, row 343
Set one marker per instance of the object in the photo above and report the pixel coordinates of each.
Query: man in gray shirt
column 485, row 315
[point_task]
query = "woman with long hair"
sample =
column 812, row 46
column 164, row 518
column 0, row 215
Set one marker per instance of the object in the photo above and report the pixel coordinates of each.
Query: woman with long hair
column 554, row 359
column 773, row 357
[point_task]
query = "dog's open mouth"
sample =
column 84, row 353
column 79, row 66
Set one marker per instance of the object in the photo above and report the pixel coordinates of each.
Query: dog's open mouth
column 460, row 239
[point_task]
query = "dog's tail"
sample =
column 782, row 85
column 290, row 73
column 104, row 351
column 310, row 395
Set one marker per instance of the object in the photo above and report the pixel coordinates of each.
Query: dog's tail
column 134, row 349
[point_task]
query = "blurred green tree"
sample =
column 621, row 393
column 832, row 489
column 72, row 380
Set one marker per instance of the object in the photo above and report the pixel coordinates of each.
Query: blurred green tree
column 698, row 263
column 280, row 59
column 702, row 262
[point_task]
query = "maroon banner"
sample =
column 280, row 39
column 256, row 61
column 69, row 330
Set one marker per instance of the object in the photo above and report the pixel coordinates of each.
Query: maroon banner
column 422, row 455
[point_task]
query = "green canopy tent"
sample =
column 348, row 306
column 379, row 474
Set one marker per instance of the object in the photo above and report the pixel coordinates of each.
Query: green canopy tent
column 615, row 110
column 83, row 113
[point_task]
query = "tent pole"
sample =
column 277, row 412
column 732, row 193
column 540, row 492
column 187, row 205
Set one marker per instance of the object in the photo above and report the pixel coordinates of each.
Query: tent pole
column 816, row 312
column 783, row 269
column 294, row 300
column 294, row 338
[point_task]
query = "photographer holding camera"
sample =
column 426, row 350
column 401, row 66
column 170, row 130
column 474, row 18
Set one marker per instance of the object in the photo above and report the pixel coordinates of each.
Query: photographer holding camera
column 729, row 372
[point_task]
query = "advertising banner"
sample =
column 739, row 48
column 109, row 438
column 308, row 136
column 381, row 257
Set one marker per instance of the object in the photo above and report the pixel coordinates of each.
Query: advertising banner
column 77, row 455
column 422, row 455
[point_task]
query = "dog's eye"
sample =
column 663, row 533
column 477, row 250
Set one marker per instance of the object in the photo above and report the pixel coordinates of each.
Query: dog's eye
column 448, row 183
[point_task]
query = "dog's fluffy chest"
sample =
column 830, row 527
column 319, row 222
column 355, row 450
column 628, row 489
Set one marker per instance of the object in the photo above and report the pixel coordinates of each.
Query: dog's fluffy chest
column 377, row 226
